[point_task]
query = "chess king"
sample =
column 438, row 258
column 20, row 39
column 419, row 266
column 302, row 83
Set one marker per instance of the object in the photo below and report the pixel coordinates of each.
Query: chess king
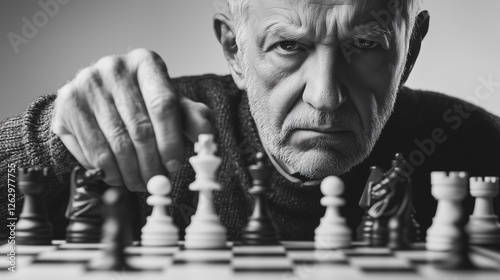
column 317, row 85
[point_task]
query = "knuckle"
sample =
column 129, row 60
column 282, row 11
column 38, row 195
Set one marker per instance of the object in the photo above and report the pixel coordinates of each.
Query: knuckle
column 142, row 54
column 111, row 65
column 141, row 131
column 64, row 95
column 120, row 144
column 70, row 101
column 162, row 104
column 87, row 78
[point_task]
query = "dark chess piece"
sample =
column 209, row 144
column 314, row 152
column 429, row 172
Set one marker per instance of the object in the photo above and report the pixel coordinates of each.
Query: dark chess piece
column 389, row 219
column 33, row 227
column 260, row 229
column 116, row 231
column 85, row 206
column 364, row 231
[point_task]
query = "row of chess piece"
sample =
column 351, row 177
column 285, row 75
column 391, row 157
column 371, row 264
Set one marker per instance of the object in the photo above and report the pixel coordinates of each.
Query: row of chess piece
column 387, row 200
column 389, row 217
column 90, row 201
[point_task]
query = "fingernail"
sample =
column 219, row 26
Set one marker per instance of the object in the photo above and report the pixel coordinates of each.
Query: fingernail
column 173, row 165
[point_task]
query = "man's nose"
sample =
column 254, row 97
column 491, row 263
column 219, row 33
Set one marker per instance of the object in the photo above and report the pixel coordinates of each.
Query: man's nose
column 323, row 91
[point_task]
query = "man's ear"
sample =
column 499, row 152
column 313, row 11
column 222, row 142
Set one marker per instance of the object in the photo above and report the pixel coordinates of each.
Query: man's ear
column 226, row 34
column 417, row 36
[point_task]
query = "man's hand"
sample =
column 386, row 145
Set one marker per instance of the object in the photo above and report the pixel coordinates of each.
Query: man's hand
column 123, row 115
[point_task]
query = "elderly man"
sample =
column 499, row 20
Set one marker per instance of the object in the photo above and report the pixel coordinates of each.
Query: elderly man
column 316, row 84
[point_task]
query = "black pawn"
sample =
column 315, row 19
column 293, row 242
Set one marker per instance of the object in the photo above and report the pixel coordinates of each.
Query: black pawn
column 260, row 229
column 116, row 231
column 85, row 206
column 33, row 227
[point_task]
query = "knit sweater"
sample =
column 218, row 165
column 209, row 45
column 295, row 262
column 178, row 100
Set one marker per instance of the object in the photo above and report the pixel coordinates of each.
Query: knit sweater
column 425, row 127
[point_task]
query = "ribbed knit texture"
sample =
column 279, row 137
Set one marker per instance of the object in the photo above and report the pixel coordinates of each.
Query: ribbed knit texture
column 472, row 145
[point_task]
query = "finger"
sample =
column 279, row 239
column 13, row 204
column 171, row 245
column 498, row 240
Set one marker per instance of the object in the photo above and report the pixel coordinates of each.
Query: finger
column 74, row 148
column 62, row 132
column 163, row 108
column 128, row 128
column 197, row 119
column 75, row 114
column 120, row 143
column 90, row 149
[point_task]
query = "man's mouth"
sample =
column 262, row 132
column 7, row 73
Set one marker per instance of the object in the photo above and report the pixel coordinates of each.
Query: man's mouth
column 337, row 138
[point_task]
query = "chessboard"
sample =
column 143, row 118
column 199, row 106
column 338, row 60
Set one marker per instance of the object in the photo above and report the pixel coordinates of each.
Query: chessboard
column 288, row 260
column 99, row 243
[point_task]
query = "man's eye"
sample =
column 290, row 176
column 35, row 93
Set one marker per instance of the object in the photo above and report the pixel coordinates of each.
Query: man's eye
column 365, row 44
column 289, row 46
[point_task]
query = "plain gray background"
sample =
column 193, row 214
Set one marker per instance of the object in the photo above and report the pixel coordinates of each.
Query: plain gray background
column 461, row 49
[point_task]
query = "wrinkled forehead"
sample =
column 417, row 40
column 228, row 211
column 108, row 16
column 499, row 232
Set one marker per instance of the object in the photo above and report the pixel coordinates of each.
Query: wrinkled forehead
column 345, row 13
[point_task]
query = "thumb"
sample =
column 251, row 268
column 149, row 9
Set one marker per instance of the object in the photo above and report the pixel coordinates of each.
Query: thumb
column 196, row 119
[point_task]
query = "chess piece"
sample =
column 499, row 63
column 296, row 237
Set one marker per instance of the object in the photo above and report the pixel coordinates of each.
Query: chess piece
column 84, row 210
column 205, row 230
column 483, row 227
column 364, row 231
column 33, row 226
column 159, row 229
column 332, row 232
column 115, row 233
column 447, row 241
column 387, row 198
column 259, row 229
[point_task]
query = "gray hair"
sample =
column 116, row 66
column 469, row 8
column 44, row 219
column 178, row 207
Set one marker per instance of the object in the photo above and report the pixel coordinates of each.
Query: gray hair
column 405, row 10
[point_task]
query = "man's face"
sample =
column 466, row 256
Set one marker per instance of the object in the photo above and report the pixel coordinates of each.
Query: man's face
column 321, row 77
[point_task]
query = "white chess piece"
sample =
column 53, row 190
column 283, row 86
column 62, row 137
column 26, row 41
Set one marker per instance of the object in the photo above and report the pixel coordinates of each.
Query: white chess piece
column 332, row 232
column 483, row 227
column 449, row 189
column 159, row 229
column 205, row 230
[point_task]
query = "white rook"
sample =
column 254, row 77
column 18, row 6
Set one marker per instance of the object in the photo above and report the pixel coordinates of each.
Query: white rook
column 449, row 189
column 483, row 227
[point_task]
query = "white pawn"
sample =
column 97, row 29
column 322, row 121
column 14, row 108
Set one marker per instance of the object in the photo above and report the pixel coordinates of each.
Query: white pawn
column 332, row 232
column 483, row 227
column 205, row 231
column 159, row 229
column 445, row 233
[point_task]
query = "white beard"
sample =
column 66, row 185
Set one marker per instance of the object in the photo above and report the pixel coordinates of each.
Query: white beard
column 322, row 159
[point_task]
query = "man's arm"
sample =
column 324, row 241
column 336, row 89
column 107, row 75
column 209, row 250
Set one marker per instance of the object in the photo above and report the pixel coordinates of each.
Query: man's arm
column 121, row 114
column 26, row 141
